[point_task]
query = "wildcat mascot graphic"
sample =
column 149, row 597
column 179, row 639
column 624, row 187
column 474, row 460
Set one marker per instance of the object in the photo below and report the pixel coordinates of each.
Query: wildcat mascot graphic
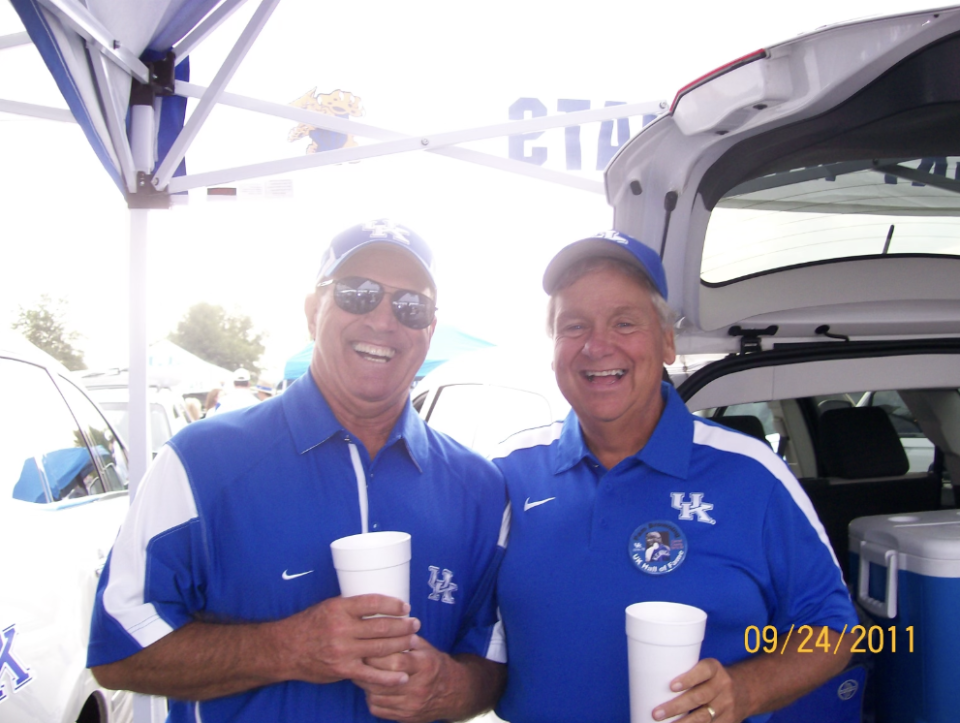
column 341, row 104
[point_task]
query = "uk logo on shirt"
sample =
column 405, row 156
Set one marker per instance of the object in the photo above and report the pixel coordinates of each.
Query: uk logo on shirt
column 695, row 507
column 9, row 665
column 442, row 585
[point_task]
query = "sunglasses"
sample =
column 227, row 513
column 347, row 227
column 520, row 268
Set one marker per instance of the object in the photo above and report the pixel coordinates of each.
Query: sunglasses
column 357, row 295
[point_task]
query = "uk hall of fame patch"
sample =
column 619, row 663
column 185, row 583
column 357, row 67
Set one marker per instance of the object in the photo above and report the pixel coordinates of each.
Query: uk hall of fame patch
column 657, row 547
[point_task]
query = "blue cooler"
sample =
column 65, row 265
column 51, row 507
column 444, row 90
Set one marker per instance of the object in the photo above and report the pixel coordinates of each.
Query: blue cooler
column 905, row 572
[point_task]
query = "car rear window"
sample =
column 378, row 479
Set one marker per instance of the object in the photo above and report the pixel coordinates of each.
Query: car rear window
column 834, row 211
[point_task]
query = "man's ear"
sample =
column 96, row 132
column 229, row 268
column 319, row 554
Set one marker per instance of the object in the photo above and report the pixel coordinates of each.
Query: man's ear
column 669, row 347
column 310, row 306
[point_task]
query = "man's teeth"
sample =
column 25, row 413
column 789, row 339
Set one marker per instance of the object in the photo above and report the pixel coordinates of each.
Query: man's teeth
column 608, row 373
column 380, row 354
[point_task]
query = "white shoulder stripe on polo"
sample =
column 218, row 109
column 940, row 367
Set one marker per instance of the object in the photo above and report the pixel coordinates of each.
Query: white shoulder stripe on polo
column 505, row 527
column 727, row 440
column 536, row 437
column 164, row 501
column 497, row 649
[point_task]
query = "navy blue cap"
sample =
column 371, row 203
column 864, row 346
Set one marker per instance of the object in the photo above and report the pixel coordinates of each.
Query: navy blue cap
column 612, row 244
column 381, row 231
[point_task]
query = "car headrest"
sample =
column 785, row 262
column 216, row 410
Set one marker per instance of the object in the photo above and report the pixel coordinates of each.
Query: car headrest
column 746, row 423
column 860, row 442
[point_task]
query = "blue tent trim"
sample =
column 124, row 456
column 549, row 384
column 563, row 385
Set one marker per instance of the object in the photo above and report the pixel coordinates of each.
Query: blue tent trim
column 447, row 343
column 39, row 32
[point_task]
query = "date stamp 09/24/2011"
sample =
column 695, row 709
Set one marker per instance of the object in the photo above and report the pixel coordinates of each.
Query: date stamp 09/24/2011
column 874, row 639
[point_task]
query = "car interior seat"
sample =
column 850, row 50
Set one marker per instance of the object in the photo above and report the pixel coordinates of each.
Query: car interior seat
column 746, row 423
column 864, row 471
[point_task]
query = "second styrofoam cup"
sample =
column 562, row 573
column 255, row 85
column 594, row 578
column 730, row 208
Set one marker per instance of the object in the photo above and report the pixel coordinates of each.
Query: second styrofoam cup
column 663, row 641
column 374, row 562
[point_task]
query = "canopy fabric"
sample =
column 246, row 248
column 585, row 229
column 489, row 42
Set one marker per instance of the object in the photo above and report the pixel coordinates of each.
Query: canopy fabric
column 448, row 342
column 92, row 53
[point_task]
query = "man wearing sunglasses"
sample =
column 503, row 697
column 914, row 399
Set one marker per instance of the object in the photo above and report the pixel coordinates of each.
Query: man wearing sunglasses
column 220, row 592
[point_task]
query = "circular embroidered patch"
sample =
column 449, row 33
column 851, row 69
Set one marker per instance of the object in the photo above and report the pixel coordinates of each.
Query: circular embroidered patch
column 657, row 547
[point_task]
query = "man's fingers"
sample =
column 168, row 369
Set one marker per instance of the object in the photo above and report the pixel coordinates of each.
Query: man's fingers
column 371, row 678
column 386, row 628
column 706, row 684
column 367, row 605
column 375, row 648
column 398, row 662
column 699, row 673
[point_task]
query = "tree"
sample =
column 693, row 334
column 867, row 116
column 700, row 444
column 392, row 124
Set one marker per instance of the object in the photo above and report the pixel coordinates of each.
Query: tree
column 43, row 326
column 226, row 340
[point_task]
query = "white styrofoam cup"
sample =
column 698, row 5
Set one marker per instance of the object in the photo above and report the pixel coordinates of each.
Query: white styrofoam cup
column 374, row 562
column 663, row 641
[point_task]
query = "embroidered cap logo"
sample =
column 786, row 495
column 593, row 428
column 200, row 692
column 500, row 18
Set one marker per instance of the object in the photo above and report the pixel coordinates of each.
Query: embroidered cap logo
column 387, row 229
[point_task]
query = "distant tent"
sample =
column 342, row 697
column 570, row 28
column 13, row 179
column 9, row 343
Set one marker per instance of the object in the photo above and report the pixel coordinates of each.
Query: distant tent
column 447, row 343
column 176, row 367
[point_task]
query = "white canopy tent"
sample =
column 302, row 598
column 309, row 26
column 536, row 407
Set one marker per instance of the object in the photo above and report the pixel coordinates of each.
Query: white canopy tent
column 123, row 69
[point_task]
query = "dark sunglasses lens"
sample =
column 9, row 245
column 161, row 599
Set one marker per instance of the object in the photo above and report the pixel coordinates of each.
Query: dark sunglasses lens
column 412, row 309
column 358, row 296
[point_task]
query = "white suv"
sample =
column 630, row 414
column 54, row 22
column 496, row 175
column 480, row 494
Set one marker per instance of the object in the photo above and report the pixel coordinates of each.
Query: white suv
column 63, row 495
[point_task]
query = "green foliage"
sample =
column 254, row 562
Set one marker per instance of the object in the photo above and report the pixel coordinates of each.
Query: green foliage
column 226, row 340
column 43, row 327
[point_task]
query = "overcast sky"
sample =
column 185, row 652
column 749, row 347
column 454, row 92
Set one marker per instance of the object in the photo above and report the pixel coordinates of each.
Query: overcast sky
column 418, row 67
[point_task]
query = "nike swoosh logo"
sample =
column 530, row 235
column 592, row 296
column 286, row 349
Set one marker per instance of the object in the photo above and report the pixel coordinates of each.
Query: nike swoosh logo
column 288, row 576
column 529, row 505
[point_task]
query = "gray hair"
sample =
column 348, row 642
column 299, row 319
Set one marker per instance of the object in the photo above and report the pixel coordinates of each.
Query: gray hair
column 577, row 270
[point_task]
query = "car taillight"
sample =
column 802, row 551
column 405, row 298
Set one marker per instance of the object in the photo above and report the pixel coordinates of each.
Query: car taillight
column 722, row 70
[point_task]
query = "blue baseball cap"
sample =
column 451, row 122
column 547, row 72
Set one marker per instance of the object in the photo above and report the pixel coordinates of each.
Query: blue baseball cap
column 364, row 235
column 612, row 244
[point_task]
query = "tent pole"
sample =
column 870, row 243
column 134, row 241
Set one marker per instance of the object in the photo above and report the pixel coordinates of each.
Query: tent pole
column 142, row 133
column 138, row 436
column 146, row 709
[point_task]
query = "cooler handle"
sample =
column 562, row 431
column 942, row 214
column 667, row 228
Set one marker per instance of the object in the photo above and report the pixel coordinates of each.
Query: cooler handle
column 889, row 560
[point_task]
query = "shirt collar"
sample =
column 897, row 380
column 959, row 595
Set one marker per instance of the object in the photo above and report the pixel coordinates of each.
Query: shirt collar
column 571, row 448
column 312, row 422
column 668, row 449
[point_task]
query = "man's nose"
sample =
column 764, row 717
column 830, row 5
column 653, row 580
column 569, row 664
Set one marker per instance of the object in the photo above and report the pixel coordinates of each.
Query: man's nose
column 382, row 318
column 598, row 344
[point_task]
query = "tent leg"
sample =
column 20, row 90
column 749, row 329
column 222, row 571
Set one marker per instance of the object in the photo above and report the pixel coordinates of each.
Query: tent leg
column 138, row 436
column 149, row 709
column 146, row 709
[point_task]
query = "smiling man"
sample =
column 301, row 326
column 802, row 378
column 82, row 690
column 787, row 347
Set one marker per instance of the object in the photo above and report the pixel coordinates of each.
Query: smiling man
column 220, row 592
column 633, row 498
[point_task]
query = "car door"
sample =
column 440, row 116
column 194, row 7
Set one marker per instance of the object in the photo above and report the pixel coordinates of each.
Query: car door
column 63, row 495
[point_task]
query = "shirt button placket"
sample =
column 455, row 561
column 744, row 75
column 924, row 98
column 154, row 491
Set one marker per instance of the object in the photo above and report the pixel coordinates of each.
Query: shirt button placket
column 374, row 526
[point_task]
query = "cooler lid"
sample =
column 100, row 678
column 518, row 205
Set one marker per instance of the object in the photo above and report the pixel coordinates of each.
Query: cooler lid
column 930, row 535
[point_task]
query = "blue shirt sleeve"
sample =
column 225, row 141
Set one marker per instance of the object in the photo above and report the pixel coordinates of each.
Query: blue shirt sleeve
column 154, row 579
column 808, row 584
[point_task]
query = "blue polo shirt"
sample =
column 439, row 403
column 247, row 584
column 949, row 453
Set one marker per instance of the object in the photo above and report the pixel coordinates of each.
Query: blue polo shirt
column 234, row 521
column 744, row 545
